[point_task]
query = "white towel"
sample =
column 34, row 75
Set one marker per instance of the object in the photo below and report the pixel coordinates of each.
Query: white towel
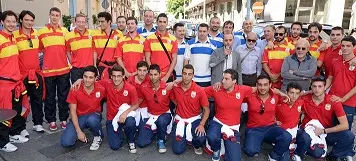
column 181, row 126
column 227, row 131
column 293, row 132
column 153, row 118
column 121, row 110
column 244, row 107
column 309, row 129
column 141, row 113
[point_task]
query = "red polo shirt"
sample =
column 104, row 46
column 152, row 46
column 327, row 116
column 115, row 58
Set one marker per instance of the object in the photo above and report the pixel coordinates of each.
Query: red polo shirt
column 132, row 81
column 87, row 103
column 255, row 119
column 189, row 102
column 344, row 80
column 289, row 115
column 324, row 112
column 80, row 47
column 162, row 95
column 330, row 55
column 228, row 105
column 115, row 98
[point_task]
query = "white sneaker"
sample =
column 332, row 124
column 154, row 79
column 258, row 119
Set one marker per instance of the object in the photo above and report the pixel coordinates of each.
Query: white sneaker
column 270, row 159
column 9, row 148
column 18, row 139
column 296, row 158
column 25, row 133
column 349, row 158
column 96, row 143
column 38, row 128
column 198, row 151
column 132, row 148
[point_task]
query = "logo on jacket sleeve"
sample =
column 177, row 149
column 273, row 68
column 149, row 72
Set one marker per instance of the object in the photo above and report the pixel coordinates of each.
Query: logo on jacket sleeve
column 327, row 107
column 193, row 94
column 238, row 95
column 126, row 93
column 97, row 94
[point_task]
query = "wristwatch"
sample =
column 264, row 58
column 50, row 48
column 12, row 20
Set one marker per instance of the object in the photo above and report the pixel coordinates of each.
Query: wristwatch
column 324, row 131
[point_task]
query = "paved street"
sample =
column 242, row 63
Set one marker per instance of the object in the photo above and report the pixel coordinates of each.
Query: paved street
column 45, row 147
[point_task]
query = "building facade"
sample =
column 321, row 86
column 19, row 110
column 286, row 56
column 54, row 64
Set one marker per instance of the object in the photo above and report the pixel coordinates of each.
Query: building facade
column 137, row 9
column 333, row 12
column 157, row 6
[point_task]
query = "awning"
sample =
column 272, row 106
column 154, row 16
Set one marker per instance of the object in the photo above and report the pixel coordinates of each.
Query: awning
column 195, row 3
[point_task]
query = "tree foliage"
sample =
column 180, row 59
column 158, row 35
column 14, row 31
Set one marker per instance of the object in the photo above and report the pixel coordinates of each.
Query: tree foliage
column 176, row 6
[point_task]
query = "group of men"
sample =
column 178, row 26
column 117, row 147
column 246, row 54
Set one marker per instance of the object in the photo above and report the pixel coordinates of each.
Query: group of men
column 220, row 82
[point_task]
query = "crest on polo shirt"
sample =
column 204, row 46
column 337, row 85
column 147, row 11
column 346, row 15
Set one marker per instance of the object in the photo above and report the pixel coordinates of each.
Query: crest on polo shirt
column 141, row 42
column 340, row 52
column 126, row 93
column 299, row 109
column 89, row 37
column 238, row 95
column 36, row 37
column 169, row 41
column 327, row 107
column 273, row 101
column 97, row 94
column 352, row 68
column 193, row 94
column 164, row 92
column 115, row 37
column 287, row 50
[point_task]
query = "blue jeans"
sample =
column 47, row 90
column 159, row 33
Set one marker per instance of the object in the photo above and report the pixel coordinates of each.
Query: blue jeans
column 271, row 134
column 91, row 121
column 350, row 113
column 232, row 148
column 145, row 135
column 179, row 146
column 116, row 138
column 342, row 144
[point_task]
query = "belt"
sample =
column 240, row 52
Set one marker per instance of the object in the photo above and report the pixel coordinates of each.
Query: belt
column 249, row 74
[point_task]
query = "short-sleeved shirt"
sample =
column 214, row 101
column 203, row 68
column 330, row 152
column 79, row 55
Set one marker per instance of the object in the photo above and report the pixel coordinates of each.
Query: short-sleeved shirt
column 28, row 56
column 80, row 47
column 219, row 37
column 330, row 55
column 324, row 112
column 189, row 102
column 157, row 101
column 158, row 56
column 130, row 50
column 99, row 40
column 289, row 115
column 52, row 42
column 228, row 105
column 344, row 80
column 115, row 98
column 132, row 81
column 274, row 57
column 87, row 103
column 144, row 32
column 180, row 58
column 9, row 57
column 255, row 118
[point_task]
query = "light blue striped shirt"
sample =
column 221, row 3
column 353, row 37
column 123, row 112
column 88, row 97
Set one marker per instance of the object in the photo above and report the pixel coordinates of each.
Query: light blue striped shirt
column 143, row 31
column 180, row 59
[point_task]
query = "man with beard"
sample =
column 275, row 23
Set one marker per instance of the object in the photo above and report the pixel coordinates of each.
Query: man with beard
column 273, row 57
column 189, row 122
column 148, row 27
column 159, row 115
column 121, row 24
column 214, row 32
column 314, row 30
column 179, row 33
column 28, row 46
column 79, row 48
column 129, row 50
column 295, row 30
column 85, row 111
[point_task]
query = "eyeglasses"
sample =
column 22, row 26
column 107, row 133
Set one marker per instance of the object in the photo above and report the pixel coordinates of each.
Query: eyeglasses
column 155, row 98
column 30, row 42
column 301, row 48
column 251, row 40
column 278, row 34
column 262, row 109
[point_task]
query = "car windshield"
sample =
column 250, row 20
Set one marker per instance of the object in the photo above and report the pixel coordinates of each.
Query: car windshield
column 189, row 26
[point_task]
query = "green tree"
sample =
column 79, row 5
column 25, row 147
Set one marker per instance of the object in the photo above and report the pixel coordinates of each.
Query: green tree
column 176, row 6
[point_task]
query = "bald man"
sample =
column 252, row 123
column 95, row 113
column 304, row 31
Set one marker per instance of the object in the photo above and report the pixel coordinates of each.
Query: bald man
column 299, row 67
column 241, row 36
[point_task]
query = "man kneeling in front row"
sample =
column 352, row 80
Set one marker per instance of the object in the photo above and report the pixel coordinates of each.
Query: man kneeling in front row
column 85, row 110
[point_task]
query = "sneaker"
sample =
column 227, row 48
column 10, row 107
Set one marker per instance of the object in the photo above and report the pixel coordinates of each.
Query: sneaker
column 64, row 124
column 198, row 151
column 9, row 148
column 349, row 158
column 39, row 128
column 296, row 158
column 132, row 148
column 18, row 139
column 161, row 146
column 25, row 133
column 53, row 126
column 216, row 156
column 96, row 143
column 271, row 159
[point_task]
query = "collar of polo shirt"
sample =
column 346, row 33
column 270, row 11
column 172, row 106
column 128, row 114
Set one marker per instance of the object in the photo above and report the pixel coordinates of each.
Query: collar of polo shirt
column 21, row 31
column 197, row 40
column 6, row 35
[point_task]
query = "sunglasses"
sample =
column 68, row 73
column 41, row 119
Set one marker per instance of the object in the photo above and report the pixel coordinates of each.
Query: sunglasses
column 30, row 42
column 251, row 40
column 155, row 98
column 278, row 34
column 262, row 109
column 301, row 48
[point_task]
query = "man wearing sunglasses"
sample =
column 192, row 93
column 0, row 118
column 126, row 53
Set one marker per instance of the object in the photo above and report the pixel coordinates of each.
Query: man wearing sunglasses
column 159, row 114
column 273, row 57
column 261, row 124
column 28, row 46
column 320, row 106
column 299, row 67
